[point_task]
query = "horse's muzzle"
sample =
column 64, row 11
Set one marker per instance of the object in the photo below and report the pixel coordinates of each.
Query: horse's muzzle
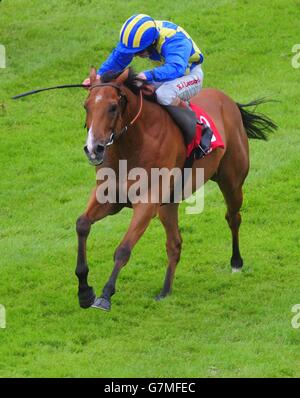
column 95, row 158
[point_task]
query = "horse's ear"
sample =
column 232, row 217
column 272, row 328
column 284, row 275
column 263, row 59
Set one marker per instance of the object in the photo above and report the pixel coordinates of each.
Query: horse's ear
column 123, row 76
column 93, row 75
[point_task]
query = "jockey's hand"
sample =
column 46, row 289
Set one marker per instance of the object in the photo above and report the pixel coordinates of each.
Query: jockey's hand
column 141, row 76
column 148, row 89
column 141, row 79
column 87, row 81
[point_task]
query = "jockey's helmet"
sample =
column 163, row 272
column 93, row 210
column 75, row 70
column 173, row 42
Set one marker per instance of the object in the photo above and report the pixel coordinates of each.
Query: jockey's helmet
column 137, row 33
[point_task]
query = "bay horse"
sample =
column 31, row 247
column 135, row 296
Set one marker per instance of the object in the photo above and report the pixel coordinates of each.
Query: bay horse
column 121, row 124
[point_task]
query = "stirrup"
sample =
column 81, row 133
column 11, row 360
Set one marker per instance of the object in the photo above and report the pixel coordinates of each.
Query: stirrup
column 205, row 143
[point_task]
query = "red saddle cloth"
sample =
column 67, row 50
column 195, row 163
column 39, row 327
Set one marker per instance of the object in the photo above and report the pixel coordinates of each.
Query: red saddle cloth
column 216, row 140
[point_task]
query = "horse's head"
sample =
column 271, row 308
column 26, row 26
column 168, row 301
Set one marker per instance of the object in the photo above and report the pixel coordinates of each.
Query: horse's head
column 104, row 108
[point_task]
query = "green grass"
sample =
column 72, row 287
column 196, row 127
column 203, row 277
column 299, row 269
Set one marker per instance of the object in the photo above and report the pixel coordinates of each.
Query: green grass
column 215, row 324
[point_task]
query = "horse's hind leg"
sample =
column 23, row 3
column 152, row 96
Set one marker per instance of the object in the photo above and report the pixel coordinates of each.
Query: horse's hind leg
column 234, row 200
column 168, row 215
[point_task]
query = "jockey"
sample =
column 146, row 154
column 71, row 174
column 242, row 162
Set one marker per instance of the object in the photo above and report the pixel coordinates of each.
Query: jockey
column 179, row 75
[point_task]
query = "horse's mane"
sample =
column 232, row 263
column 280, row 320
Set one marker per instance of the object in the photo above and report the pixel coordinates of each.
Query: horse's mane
column 132, row 82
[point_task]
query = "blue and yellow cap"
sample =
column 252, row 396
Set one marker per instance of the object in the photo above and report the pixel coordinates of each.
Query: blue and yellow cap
column 137, row 33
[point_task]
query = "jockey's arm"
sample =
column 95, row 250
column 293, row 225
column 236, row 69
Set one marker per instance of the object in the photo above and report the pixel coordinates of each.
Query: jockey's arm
column 115, row 62
column 176, row 54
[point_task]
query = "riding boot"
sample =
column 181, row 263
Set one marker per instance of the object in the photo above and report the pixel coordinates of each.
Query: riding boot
column 206, row 135
column 205, row 143
column 186, row 119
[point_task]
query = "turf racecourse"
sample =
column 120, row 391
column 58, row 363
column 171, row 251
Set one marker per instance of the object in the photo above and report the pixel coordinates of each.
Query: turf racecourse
column 215, row 324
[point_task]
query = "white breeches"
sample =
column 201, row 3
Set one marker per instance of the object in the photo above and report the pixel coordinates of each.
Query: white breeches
column 184, row 87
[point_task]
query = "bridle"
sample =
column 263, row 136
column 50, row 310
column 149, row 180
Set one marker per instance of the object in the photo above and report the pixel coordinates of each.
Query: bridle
column 123, row 102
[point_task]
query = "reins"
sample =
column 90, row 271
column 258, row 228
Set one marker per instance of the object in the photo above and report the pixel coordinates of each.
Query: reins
column 91, row 87
column 140, row 109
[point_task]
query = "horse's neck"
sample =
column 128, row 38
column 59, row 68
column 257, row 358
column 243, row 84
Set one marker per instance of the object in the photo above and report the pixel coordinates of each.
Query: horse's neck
column 151, row 140
column 135, row 104
column 132, row 107
column 132, row 140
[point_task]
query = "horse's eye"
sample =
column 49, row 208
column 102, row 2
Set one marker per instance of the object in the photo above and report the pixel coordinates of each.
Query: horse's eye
column 113, row 108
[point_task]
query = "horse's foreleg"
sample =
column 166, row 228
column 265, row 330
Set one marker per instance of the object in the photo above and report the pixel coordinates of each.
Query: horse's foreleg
column 142, row 216
column 86, row 293
column 94, row 212
column 168, row 215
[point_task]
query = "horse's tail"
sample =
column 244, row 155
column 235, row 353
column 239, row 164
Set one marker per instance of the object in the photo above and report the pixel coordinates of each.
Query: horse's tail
column 257, row 125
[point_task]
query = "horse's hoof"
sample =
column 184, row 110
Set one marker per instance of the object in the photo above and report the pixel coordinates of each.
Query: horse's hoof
column 236, row 270
column 160, row 296
column 86, row 297
column 102, row 303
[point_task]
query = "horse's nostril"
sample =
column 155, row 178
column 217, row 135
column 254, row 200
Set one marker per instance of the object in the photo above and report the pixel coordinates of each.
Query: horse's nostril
column 99, row 148
column 95, row 154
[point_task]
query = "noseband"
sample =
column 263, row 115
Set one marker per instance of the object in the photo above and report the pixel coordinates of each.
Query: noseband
column 122, row 99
